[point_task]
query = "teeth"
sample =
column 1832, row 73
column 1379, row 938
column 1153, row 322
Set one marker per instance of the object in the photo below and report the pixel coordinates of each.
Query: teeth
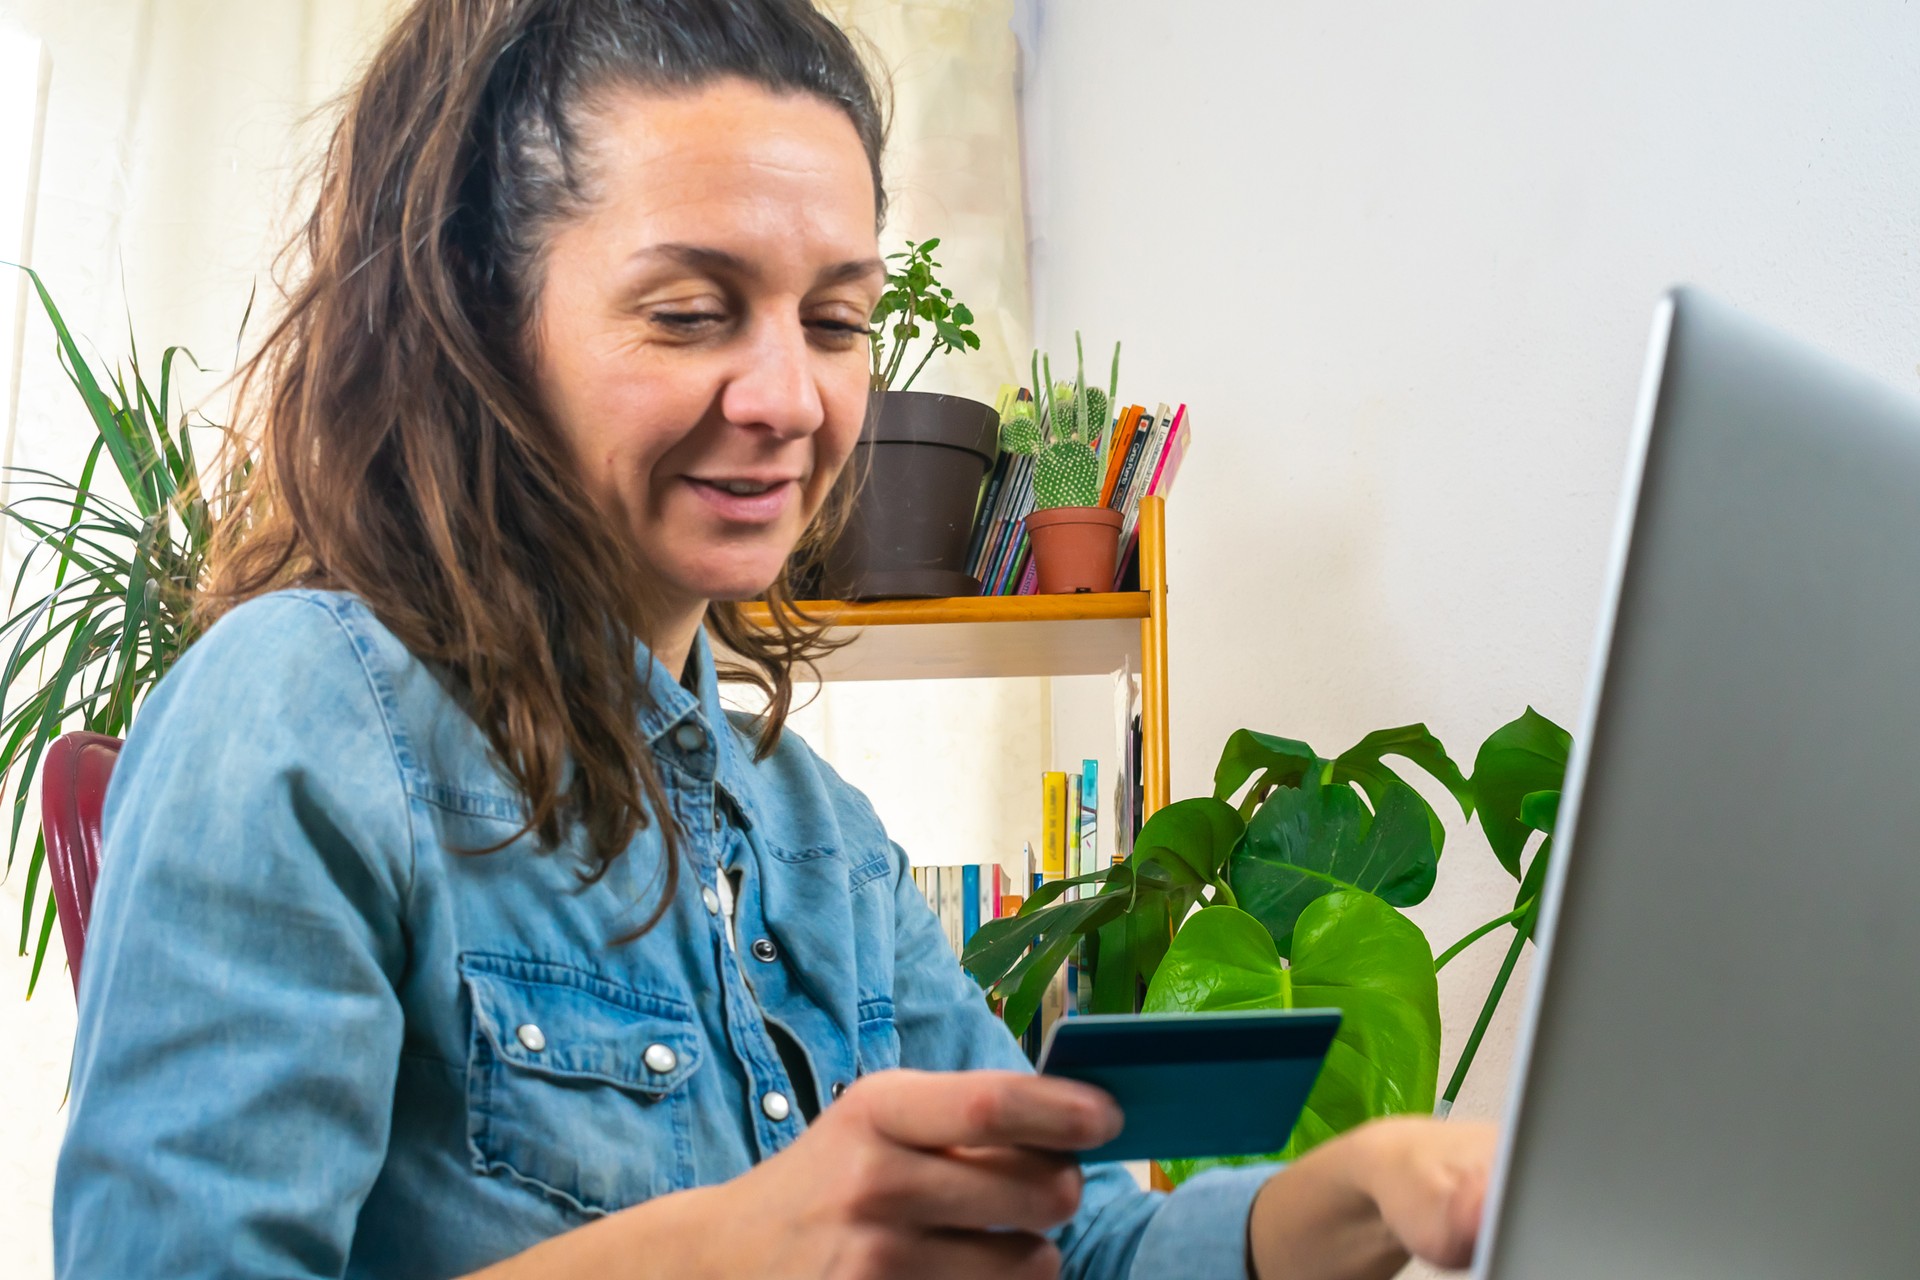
column 744, row 487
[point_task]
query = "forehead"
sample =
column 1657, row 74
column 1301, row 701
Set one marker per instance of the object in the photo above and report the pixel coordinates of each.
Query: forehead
column 733, row 165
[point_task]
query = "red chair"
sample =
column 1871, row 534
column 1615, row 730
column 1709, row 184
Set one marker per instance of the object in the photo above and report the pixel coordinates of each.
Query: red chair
column 73, row 791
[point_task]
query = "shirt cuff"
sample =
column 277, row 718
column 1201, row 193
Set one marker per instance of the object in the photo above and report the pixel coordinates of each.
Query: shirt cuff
column 1200, row 1233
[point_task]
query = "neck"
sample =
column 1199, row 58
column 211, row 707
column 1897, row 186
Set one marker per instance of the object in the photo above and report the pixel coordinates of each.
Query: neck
column 673, row 640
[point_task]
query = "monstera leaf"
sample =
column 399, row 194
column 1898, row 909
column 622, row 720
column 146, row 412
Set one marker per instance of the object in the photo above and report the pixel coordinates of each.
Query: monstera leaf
column 1130, row 908
column 1524, row 756
column 1316, row 839
column 1352, row 952
column 1286, row 762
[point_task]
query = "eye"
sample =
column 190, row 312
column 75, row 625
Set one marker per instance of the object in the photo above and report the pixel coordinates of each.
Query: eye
column 688, row 321
column 838, row 332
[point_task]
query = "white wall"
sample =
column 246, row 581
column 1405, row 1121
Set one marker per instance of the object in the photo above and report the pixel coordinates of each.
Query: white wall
column 1401, row 259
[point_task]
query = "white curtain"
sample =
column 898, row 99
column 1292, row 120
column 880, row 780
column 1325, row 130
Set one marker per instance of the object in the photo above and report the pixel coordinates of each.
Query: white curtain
column 170, row 147
column 173, row 151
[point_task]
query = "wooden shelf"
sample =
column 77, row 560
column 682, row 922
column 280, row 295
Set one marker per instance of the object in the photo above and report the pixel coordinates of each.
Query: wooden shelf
column 981, row 636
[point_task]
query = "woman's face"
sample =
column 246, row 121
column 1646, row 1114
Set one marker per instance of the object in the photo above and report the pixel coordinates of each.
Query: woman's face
column 701, row 329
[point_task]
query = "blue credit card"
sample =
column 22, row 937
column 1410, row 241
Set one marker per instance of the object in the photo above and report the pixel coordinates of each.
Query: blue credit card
column 1195, row 1084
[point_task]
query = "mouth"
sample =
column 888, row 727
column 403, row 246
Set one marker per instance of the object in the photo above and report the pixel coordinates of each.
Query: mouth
column 747, row 499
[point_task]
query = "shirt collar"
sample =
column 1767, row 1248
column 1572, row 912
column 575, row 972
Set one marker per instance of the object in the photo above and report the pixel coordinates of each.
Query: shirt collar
column 724, row 755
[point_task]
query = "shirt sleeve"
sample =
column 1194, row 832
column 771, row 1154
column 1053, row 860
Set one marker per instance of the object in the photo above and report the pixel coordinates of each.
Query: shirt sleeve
column 1199, row 1232
column 239, row 1033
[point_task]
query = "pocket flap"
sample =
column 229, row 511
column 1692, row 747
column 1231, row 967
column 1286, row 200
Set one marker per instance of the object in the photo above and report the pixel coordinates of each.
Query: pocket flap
column 558, row 1021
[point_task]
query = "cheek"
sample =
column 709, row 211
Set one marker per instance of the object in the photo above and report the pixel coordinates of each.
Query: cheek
column 846, row 414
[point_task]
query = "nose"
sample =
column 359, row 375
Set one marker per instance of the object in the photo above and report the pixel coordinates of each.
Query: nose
column 775, row 387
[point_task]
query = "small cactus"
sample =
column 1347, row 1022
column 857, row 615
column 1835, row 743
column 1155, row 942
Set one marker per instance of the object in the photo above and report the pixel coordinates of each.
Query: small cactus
column 1071, row 451
column 1097, row 412
column 1020, row 435
column 1067, row 475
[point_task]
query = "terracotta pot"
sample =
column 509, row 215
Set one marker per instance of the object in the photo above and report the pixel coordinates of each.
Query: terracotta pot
column 923, row 457
column 1074, row 548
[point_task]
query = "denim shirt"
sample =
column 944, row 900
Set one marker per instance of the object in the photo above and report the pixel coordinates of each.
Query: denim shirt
column 319, row 1036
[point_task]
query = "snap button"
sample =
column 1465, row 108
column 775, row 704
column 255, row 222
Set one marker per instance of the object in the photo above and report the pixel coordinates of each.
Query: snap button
column 763, row 949
column 711, row 899
column 775, row 1106
column 660, row 1059
column 531, row 1038
column 689, row 736
column 839, row 1087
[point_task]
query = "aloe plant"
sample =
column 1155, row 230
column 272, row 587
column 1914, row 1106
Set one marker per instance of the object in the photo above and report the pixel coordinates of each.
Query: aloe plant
column 83, row 649
column 1066, row 432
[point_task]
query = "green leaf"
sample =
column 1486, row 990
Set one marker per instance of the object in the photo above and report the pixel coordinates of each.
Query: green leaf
column 1284, row 761
column 1192, row 839
column 1364, row 763
column 1353, row 953
column 1540, row 810
column 1316, row 839
column 1526, row 755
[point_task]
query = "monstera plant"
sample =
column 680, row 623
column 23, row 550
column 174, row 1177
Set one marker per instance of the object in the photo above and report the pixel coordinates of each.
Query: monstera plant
column 1283, row 890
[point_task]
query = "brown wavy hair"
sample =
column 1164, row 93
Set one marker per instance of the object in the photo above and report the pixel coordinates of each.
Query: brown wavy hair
column 398, row 451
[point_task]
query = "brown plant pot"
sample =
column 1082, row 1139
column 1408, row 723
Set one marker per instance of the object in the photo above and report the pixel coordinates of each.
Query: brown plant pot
column 1074, row 548
column 921, row 458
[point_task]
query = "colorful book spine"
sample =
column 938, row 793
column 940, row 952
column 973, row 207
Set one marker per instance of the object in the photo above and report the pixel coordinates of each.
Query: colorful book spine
column 1053, row 828
column 1130, row 463
column 1089, row 816
column 1122, row 437
column 1073, row 827
column 1129, row 503
column 969, row 902
column 983, row 521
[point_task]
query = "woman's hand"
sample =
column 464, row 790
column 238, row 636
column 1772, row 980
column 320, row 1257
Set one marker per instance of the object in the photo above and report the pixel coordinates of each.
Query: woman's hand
column 1357, row 1207
column 921, row 1174
column 932, row 1175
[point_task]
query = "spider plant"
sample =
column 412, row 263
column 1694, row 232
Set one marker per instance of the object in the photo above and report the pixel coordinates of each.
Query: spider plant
column 84, row 646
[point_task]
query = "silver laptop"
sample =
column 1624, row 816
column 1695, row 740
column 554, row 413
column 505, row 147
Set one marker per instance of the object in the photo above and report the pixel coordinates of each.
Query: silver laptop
column 1719, row 1075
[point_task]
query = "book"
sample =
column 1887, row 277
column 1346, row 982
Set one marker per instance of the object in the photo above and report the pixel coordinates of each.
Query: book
column 1173, row 449
column 1170, row 456
column 1089, row 816
column 969, row 902
column 983, row 520
column 1053, row 826
column 950, row 911
column 1029, row 578
column 1131, row 463
column 1129, row 503
column 1073, row 828
column 963, row 898
column 1122, row 437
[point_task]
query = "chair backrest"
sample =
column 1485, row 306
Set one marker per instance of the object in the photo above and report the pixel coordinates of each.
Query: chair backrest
column 73, row 791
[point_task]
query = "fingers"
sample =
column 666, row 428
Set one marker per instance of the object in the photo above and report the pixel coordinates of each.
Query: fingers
column 983, row 1189
column 938, row 1110
column 1434, row 1186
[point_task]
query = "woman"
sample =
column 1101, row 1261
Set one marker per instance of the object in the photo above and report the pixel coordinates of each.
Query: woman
column 448, row 925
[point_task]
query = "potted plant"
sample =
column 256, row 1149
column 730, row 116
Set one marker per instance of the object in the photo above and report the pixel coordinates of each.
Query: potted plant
column 85, row 646
column 1289, row 897
column 1076, row 539
column 921, row 457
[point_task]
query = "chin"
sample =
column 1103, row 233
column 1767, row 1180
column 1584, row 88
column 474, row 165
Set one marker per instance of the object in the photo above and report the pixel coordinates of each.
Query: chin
column 736, row 582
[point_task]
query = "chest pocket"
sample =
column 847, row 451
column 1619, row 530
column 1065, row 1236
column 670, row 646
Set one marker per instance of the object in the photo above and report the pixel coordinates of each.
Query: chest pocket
column 577, row 1086
column 879, row 1038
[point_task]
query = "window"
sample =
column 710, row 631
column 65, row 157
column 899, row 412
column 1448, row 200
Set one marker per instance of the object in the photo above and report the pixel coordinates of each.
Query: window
column 23, row 100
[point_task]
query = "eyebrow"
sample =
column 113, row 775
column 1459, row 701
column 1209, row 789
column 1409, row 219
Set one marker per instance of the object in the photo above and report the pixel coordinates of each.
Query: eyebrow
column 720, row 262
